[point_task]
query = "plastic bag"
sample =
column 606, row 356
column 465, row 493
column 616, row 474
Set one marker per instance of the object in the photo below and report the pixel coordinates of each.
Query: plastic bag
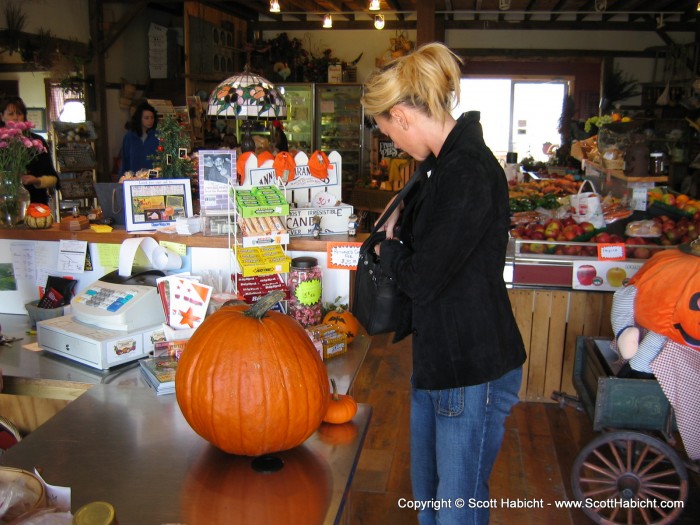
column 586, row 206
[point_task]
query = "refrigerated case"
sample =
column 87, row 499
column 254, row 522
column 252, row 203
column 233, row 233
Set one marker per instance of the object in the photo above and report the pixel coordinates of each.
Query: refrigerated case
column 339, row 120
column 299, row 126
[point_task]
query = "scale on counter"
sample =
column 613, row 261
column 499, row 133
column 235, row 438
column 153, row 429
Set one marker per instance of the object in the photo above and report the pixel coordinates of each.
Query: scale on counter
column 113, row 321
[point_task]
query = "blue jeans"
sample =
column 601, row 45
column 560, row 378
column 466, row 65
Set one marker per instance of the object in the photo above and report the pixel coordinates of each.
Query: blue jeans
column 455, row 437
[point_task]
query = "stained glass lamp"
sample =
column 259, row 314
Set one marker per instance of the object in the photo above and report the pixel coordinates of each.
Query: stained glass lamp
column 248, row 97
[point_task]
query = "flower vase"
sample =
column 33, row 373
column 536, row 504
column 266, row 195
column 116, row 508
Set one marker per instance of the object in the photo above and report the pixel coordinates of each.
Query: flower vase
column 14, row 199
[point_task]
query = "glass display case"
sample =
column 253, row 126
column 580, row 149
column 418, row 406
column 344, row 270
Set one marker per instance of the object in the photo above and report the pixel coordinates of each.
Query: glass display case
column 339, row 119
column 299, row 126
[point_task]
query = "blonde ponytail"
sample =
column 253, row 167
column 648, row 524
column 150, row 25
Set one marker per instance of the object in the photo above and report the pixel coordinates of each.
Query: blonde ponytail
column 426, row 79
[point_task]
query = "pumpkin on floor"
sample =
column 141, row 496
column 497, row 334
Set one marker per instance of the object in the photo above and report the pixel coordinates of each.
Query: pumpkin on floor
column 251, row 381
column 344, row 321
column 38, row 216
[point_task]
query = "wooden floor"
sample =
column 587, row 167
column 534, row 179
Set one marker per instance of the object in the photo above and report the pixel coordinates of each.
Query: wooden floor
column 540, row 445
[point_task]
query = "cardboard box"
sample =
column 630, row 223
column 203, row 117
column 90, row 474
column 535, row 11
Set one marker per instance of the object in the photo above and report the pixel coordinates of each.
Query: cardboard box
column 329, row 341
column 334, row 220
column 262, row 260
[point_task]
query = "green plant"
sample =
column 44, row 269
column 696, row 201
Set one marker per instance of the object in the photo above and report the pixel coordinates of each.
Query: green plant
column 618, row 86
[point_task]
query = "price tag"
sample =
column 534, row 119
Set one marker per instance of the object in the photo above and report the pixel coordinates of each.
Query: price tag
column 611, row 252
column 343, row 255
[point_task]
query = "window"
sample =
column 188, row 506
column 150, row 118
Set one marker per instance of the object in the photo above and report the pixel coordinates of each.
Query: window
column 519, row 115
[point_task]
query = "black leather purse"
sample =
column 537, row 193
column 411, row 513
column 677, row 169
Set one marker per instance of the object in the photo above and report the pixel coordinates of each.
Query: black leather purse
column 377, row 298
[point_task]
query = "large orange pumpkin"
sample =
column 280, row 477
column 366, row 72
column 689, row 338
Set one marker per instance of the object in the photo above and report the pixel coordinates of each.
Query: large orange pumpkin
column 251, row 381
column 668, row 296
column 38, row 216
column 344, row 321
column 223, row 489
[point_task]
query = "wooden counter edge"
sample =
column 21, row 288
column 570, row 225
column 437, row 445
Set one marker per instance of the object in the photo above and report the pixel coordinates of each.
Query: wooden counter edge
column 117, row 236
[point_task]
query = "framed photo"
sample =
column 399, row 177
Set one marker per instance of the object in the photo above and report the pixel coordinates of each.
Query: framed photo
column 37, row 116
column 182, row 153
column 156, row 203
column 217, row 173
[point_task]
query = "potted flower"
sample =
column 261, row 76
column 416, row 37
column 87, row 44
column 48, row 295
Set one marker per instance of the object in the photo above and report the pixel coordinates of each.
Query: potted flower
column 17, row 149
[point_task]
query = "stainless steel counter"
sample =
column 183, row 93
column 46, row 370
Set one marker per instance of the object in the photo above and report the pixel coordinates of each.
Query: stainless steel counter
column 119, row 442
column 135, row 450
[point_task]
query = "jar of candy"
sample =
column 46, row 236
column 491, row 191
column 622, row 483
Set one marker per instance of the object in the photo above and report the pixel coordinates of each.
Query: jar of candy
column 305, row 291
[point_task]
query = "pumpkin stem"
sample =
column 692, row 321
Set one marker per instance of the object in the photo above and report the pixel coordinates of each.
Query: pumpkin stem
column 262, row 305
column 335, row 396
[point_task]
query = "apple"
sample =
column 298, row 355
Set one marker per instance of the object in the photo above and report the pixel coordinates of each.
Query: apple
column 616, row 276
column 602, row 237
column 537, row 247
column 641, row 253
column 537, row 236
column 669, row 199
column 616, row 238
column 587, row 227
column 552, row 229
column 585, row 274
column 673, row 235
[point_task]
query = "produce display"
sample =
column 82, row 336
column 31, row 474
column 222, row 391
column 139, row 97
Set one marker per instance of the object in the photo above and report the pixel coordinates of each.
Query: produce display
column 672, row 219
column 545, row 193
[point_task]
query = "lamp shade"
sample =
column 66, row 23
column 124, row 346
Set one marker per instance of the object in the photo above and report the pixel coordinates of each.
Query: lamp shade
column 247, row 96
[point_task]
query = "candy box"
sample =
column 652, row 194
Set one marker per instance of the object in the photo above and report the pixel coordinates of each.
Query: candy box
column 329, row 341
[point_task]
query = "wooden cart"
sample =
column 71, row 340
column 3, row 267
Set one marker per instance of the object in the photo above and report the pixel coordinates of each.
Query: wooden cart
column 630, row 473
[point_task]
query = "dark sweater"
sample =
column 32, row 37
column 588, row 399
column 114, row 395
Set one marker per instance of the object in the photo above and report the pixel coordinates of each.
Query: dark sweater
column 41, row 166
column 449, row 263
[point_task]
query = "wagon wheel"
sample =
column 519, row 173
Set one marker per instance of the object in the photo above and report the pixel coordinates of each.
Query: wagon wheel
column 630, row 478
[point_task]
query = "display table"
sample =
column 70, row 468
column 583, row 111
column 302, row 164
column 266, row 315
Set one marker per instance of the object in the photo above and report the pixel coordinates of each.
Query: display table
column 110, row 438
column 135, row 450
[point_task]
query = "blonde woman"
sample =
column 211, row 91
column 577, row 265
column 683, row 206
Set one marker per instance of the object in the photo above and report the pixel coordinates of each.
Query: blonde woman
column 448, row 255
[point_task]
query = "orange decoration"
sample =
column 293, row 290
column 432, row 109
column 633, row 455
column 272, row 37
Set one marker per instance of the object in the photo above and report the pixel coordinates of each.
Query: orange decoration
column 668, row 296
column 38, row 216
column 344, row 321
column 341, row 409
column 251, row 381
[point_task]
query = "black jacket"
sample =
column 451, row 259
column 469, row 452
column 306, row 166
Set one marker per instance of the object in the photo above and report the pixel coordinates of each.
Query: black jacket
column 449, row 263
column 40, row 166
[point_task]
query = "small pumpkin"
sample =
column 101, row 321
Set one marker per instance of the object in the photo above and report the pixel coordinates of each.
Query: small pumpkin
column 222, row 488
column 251, row 381
column 344, row 321
column 341, row 408
column 668, row 296
column 38, row 216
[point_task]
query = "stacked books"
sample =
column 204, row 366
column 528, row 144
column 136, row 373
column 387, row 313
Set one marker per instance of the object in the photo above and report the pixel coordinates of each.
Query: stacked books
column 159, row 373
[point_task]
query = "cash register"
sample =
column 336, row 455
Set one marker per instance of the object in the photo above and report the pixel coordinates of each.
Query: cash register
column 115, row 320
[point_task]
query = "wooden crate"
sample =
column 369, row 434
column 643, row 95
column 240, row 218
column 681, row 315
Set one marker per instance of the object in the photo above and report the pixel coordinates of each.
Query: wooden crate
column 550, row 321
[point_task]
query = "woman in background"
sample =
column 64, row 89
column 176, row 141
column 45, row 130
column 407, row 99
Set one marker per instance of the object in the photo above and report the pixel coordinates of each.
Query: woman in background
column 448, row 259
column 41, row 174
column 141, row 141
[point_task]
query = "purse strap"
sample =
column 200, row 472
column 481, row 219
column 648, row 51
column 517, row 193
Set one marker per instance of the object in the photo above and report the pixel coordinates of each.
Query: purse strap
column 377, row 236
column 397, row 200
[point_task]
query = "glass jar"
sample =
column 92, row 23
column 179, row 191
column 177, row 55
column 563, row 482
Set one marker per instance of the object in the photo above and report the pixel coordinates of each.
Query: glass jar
column 305, row 291
column 656, row 164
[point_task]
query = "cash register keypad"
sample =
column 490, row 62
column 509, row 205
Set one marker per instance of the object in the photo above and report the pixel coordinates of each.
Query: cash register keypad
column 105, row 298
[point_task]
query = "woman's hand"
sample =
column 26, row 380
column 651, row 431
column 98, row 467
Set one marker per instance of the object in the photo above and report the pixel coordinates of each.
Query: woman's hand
column 28, row 179
column 393, row 219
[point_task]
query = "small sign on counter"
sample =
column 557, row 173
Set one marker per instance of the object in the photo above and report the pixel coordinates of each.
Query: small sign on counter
column 603, row 276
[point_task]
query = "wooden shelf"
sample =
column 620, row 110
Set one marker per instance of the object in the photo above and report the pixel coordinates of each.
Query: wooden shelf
column 620, row 174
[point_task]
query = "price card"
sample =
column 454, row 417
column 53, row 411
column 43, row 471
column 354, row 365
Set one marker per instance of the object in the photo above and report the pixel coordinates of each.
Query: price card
column 611, row 252
column 343, row 255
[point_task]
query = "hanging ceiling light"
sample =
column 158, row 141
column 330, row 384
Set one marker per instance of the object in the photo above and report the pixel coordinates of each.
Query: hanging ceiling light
column 274, row 6
column 504, row 5
column 374, row 6
column 379, row 21
column 327, row 21
column 248, row 97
